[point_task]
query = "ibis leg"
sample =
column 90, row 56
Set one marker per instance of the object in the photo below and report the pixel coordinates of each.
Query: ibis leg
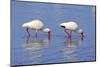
column 67, row 33
column 27, row 30
column 70, row 34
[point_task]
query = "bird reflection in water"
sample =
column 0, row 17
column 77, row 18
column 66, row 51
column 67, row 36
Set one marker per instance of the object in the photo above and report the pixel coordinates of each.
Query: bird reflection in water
column 69, row 50
column 34, row 48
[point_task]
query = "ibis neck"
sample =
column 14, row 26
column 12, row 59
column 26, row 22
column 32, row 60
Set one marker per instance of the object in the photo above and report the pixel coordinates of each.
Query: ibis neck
column 78, row 30
column 49, row 35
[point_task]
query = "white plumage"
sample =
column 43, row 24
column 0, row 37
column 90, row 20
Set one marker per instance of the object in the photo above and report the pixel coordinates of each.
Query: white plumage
column 36, row 25
column 72, row 26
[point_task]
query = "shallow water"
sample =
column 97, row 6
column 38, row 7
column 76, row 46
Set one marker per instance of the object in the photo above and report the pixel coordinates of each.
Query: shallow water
column 59, row 49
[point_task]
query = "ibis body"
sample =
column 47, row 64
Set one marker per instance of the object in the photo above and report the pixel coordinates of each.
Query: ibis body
column 72, row 27
column 36, row 25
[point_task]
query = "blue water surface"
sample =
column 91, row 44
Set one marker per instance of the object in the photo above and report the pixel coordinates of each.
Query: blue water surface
column 59, row 49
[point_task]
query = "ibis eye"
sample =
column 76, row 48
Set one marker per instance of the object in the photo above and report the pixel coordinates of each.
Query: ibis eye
column 63, row 26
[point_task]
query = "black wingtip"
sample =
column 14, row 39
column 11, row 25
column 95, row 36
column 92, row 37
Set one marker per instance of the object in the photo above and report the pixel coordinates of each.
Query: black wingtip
column 62, row 26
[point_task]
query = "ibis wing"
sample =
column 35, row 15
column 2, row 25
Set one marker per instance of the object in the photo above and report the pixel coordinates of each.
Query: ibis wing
column 36, row 24
column 71, row 26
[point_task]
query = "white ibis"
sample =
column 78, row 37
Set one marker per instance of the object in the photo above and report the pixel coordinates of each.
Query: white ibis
column 72, row 27
column 36, row 25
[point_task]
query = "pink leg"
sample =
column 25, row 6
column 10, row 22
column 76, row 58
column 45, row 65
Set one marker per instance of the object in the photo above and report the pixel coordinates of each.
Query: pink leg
column 28, row 32
column 68, row 33
column 70, row 39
